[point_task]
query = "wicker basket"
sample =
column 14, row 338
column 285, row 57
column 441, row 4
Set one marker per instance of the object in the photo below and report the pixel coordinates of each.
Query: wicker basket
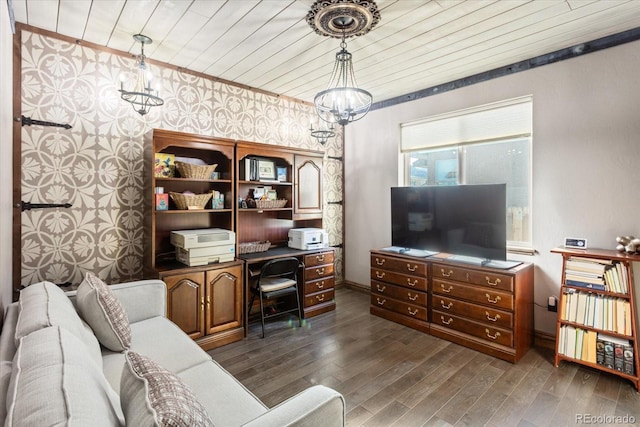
column 188, row 170
column 251, row 247
column 190, row 201
column 268, row 204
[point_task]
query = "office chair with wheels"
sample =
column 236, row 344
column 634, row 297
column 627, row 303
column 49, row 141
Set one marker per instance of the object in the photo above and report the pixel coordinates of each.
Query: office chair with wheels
column 278, row 277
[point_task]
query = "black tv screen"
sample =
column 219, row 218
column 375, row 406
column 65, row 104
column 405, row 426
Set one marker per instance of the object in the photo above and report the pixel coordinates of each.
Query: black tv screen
column 467, row 220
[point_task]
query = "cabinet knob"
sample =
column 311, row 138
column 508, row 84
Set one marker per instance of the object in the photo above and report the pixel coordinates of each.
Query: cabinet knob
column 489, row 282
column 493, row 319
column 493, row 337
column 493, row 301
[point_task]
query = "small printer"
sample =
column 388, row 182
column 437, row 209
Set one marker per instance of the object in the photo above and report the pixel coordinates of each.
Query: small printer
column 308, row 238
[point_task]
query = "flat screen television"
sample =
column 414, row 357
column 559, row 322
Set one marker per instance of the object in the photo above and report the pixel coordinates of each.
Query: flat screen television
column 462, row 220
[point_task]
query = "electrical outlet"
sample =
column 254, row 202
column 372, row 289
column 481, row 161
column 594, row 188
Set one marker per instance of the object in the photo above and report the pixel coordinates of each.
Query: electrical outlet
column 552, row 304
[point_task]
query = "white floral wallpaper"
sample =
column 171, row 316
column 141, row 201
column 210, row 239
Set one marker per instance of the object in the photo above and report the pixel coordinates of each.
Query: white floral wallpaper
column 97, row 165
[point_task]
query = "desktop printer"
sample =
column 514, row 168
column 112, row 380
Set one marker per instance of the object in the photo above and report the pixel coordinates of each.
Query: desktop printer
column 308, row 238
column 204, row 246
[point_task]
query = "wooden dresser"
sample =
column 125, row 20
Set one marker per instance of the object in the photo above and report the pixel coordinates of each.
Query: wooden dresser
column 486, row 309
column 319, row 282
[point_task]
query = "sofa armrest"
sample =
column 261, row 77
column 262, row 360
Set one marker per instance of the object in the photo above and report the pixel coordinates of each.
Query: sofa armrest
column 315, row 406
column 141, row 299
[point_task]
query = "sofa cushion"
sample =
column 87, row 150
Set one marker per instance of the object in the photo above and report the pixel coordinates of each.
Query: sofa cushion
column 102, row 310
column 152, row 396
column 218, row 389
column 54, row 382
column 161, row 340
column 44, row 304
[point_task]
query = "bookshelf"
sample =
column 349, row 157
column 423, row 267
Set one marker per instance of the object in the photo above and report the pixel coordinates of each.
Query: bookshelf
column 597, row 318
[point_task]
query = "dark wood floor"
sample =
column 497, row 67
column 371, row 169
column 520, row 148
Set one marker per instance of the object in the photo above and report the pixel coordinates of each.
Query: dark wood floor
column 393, row 375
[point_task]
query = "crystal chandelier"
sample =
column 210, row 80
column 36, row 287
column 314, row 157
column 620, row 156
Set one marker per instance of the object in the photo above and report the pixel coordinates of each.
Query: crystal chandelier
column 343, row 101
column 142, row 97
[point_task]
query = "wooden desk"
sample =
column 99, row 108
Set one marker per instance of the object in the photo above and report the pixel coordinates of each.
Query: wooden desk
column 316, row 283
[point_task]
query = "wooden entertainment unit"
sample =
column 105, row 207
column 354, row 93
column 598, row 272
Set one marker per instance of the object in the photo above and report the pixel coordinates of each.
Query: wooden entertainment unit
column 486, row 309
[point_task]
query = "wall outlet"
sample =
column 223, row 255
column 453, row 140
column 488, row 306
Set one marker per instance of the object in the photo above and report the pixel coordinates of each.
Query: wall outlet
column 552, row 304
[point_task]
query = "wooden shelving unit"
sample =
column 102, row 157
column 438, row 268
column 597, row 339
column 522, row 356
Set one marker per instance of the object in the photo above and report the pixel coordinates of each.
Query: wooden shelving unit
column 625, row 261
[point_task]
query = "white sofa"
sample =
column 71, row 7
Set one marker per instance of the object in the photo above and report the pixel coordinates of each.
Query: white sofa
column 95, row 386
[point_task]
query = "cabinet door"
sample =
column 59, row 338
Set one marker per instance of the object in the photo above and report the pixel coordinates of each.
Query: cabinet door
column 223, row 299
column 185, row 302
column 308, row 182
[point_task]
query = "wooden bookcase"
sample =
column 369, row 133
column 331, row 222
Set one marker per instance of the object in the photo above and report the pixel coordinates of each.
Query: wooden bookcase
column 566, row 323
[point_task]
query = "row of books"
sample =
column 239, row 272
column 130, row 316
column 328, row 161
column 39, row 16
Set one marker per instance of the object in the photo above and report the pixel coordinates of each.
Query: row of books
column 591, row 346
column 592, row 273
column 598, row 311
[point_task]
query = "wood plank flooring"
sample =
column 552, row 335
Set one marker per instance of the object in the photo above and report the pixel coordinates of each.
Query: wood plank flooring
column 391, row 375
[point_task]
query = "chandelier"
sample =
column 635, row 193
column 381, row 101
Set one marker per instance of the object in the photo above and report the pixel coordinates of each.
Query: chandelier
column 142, row 96
column 343, row 101
column 322, row 135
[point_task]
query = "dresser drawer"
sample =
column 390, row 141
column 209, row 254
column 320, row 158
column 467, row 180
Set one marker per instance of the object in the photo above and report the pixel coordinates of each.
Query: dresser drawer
column 399, row 265
column 503, row 319
column 474, row 293
column 317, row 272
column 413, row 282
column 318, row 259
column 410, row 296
column 478, row 277
column 399, row 307
column 318, row 298
column 319, row 285
column 480, row 330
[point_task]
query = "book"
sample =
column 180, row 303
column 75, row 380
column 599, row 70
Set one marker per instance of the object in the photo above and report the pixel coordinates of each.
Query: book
column 589, row 347
column 581, row 311
column 164, row 166
column 599, row 350
column 570, row 345
column 586, row 285
column 628, row 359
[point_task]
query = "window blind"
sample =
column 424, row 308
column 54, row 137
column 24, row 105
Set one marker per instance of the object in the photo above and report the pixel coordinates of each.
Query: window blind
column 500, row 120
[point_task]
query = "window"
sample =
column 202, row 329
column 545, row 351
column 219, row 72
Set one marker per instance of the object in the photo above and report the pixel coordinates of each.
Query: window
column 485, row 145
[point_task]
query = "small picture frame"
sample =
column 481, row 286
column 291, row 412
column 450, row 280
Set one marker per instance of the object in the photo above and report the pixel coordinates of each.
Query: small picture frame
column 282, row 174
column 266, row 170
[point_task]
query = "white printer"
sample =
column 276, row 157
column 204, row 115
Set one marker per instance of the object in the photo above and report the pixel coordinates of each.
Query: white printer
column 204, row 246
column 308, row 238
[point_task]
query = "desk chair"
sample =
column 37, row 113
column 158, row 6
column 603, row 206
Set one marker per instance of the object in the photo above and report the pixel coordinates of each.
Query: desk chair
column 278, row 277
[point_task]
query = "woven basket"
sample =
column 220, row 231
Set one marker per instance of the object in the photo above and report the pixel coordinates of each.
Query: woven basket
column 188, row 170
column 268, row 204
column 190, row 201
column 251, row 247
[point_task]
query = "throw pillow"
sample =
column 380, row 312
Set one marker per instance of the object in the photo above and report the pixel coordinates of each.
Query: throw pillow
column 152, row 396
column 102, row 310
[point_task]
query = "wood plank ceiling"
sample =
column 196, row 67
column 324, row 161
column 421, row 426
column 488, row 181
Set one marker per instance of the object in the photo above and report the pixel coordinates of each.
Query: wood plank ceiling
column 268, row 45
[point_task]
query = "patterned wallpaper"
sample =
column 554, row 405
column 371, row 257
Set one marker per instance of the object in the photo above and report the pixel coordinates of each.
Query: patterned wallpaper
column 97, row 165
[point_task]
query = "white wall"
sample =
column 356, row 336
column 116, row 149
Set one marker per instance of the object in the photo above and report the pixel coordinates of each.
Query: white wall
column 586, row 160
column 6, row 126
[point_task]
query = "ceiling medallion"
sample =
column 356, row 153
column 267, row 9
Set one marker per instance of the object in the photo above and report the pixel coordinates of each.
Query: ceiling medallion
column 343, row 18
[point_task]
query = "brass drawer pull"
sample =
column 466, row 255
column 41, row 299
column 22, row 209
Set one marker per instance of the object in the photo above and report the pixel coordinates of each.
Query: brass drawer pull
column 380, row 261
column 414, row 312
column 319, row 258
column 379, row 275
column 208, row 302
column 320, row 285
column 410, row 283
column 493, row 337
column 320, row 298
column 489, row 282
column 493, row 319
column 412, row 298
column 202, row 304
column 446, row 274
column 447, row 290
column 446, row 322
column 381, row 289
column 493, row 301
column 381, row 302
column 414, row 268
column 446, row 307
column 320, row 271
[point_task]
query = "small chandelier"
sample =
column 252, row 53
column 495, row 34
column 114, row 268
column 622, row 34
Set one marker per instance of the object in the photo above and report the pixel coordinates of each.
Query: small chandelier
column 343, row 102
column 322, row 135
column 142, row 97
